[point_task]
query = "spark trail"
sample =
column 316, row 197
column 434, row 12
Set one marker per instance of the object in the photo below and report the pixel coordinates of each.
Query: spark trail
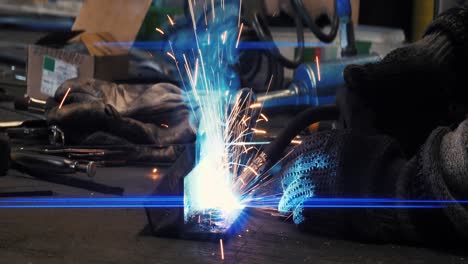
column 227, row 116
column 207, row 67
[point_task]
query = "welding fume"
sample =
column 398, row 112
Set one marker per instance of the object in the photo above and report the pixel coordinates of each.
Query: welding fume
column 359, row 145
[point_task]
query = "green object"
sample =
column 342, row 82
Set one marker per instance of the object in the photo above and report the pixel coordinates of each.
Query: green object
column 156, row 18
column 309, row 54
column 363, row 47
column 49, row 64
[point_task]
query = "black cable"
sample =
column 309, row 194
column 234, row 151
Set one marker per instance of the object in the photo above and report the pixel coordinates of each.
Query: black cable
column 268, row 158
column 264, row 34
column 26, row 194
column 256, row 66
column 275, row 150
column 300, row 9
column 13, row 59
column 5, row 149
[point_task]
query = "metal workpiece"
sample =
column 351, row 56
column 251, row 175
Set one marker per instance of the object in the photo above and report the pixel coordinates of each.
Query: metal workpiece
column 85, row 167
column 315, row 84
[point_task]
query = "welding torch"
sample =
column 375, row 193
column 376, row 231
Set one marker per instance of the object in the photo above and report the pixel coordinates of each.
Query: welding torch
column 315, row 84
column 312, row 87
column 24, row 158
column 51, row 164
column 35, row 162
column 271, row 154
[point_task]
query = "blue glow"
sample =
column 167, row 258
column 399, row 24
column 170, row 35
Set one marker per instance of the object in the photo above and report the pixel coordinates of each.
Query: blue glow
column 79, row 199
column 245, row 45
column 178, row 202
column 314, row 161
column 86, row 206
column 371, row 206
column 205, row 55
column 253, row 200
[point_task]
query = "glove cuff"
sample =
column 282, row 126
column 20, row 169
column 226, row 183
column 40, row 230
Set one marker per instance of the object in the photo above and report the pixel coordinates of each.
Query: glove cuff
column 453, row 24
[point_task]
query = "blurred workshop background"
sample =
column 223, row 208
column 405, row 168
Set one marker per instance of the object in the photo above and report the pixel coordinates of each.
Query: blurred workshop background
column 382, row 26
column 44, row 43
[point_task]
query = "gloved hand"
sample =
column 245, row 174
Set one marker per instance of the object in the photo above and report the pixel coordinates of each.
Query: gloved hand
column 404, row 97
column 414, row 89
column 99, row 112
column 310, row 171
column 341, row 164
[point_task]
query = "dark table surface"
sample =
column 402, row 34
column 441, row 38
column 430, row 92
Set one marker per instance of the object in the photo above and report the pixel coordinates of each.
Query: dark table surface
column 116, row 235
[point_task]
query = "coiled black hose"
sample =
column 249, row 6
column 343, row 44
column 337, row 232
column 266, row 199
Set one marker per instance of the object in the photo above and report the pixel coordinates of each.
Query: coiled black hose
column 300, row 9
column 264, row 34
column 275, row 150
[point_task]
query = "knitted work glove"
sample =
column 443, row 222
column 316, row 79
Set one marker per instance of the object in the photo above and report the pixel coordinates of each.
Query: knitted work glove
column 309, row 171
column 415, row 88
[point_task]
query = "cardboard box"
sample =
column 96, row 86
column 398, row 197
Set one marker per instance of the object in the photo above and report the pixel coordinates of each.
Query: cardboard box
column 103, row 21
column 48, row 68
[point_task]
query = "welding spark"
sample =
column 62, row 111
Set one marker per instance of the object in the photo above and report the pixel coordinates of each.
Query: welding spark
column 243, row 45
column 239, row 36
column 317, row 62
column 224, row 37
column 221, row 248
column 256, row 105
column 154, row 174
column 252, row 170
column 297, row 142
column 192, row 14
column 64, row 98
column 247, row 150
column 207, row 69
column 242, row 181
column 160, row 31
column 213, row 12
column 172, row 56
column 225, row 118
column 259, row 131
column 245, row 119
column 170, row 20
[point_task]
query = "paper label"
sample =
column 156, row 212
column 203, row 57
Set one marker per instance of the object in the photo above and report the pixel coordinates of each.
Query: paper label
column 54, row 73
